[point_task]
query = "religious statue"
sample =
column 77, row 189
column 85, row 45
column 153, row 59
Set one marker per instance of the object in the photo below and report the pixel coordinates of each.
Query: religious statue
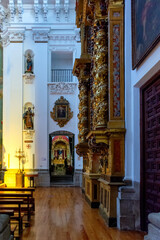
column 29, row 64
column 60, row 154
column 28, row 121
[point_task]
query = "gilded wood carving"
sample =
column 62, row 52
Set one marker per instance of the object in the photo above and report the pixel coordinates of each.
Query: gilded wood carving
column 61, row 112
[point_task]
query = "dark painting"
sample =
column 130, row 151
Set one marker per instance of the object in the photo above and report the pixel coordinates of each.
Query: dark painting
column 61, row 111
column 145, row 28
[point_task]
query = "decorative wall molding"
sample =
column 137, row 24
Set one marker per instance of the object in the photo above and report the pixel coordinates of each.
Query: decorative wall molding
column 45, row 9
column 62, row 37
column 62, row 88
column 28, row 134
column 36, row 9
column 61, row 11
column 12, row 36
column 60, row 48
column 5, row 39
column 3, row 15
column 28, row 78
column 16, row 36
column 40, row 35
column 57, row 10
column 11, row 9
column 77, row 35
column 19, row 10
column 66, row 9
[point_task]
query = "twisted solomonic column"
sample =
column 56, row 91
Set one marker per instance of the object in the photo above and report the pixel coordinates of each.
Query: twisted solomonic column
column 100, row 69
column 83, row 111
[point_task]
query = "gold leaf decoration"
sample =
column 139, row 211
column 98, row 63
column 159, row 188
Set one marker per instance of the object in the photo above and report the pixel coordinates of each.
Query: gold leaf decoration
column 61, row 112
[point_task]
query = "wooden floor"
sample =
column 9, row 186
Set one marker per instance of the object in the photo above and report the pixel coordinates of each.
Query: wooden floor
column 63, row 214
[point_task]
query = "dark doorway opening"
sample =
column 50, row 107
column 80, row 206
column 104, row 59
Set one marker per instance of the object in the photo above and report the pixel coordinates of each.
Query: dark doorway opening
column 150, row 149
column 61, row 157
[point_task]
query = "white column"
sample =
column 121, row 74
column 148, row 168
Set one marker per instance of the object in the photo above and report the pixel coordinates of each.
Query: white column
column 12, row 102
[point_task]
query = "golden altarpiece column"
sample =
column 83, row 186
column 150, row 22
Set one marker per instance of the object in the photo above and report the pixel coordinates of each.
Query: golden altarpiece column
column 100, row 71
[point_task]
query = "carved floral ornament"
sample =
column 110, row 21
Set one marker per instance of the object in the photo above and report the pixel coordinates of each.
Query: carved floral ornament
column 61, row 112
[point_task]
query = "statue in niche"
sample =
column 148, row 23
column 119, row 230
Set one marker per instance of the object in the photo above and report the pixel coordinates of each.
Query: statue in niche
column 29, row 64
column 28, row 119
column 60, row 154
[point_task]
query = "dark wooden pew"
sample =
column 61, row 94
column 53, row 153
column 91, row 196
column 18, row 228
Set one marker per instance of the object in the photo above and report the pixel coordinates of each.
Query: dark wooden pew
column 15, row 195
column 13, row 204
column 18, row 189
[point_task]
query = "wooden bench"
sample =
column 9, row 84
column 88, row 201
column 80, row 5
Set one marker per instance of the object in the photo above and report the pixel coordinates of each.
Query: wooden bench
column 7, row 211
column 14, row 204
column 26, row 196
column 17, row 189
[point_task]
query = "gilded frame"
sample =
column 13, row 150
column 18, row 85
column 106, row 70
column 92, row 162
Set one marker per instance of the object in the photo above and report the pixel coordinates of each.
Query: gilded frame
column 145, row 29
column 61, row 112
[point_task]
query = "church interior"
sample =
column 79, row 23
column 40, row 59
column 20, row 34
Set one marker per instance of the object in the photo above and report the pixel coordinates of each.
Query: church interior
column 79, row 119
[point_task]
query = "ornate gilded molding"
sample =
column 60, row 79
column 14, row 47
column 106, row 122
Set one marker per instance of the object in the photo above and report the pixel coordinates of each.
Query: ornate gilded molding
column 100, row 74
column 116, row 65
column 82, row 71
column 115, row 2
column 81, row 149
column 61, row 112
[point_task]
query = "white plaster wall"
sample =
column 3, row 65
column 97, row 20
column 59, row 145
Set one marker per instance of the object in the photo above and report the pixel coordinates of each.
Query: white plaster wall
column 41, row 73
column 12, row 103
column 134, row 79
column 62, row 63
column 17, row 93
column 72, row 125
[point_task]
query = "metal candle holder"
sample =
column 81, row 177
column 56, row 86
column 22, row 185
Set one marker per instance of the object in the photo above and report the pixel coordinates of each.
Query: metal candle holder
column 20, row 155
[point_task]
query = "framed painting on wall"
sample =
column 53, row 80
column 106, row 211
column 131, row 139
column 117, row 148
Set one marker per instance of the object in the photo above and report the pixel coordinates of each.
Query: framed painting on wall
column 145, row 28
column 61, row 111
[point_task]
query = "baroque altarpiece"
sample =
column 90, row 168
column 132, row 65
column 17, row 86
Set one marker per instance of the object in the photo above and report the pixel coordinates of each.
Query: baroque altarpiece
column 100, row 71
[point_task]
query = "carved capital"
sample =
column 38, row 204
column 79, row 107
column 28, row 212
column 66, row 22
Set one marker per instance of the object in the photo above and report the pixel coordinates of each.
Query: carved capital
column 12, row 36
column 41, row 35
column 82, row 149
column 16, row 36
column 81, row 68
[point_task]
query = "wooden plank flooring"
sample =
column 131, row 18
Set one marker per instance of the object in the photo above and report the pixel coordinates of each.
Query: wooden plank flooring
column 63, row 214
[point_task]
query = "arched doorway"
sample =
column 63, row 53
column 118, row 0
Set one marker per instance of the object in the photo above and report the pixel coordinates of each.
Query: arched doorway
column 61, row 157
